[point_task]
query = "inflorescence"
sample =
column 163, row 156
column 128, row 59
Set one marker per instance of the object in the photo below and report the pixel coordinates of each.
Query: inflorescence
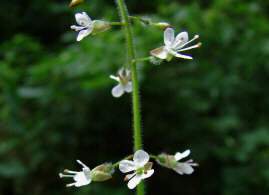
column 139, row 168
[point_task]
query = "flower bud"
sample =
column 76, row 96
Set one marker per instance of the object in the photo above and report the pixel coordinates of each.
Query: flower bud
column 102, row 172
column 75, row 3
column 100, row 26
column 161, row 25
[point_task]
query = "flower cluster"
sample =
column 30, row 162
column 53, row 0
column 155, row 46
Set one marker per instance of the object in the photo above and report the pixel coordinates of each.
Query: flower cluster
column 140, row 167
column 173, row 46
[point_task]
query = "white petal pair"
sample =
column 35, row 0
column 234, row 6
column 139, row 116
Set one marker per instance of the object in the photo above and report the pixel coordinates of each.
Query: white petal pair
column 184, row 167
column 119, row 89
column 86, row 25
column 140, row 159
column 125, row 85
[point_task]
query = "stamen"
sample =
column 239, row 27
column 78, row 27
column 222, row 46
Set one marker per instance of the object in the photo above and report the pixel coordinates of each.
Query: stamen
column 62, row 175
column 77, row 28
column 68, row 171
column 195, row 164
column 194, row 38
column 126, row 178
column 191, row 47
column 119, row 75
column 82, row 164
column 69, row 185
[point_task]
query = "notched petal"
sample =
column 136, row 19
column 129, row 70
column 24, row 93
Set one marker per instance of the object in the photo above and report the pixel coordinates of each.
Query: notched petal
column 117, row 91
column 179, row 156
column 134, row 181
column 140, row 158
column 126, row 166
column 169, row 36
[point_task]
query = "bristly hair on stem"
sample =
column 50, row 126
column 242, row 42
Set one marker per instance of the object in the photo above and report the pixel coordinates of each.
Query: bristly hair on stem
column 135, row 94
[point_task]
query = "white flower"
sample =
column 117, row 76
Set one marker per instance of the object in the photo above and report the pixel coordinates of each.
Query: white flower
column 81, row 178
column 140, row 166
column 184, row 167
column 171, row 162
column 86, row 25
column 125, row 85
column 174, row 45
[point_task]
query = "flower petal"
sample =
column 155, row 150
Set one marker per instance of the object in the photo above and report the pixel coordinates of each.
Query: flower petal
column 81, row 179
column 115, row 78
column 128, row 87
column 140, row 158
column 118, row 90
column 160, row 53
column 83, row 19
column 126, row 166
column 180, row 40
column 87, row 173
column 179, row 156
column 184, row 168
column 179, row 55
column 169, row 36
column 147, row 174
column 134, row 181
column 83, row 33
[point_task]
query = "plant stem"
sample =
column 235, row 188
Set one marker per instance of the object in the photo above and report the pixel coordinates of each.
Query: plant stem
column 145, row 21
column 116, row 23
column 135, row 94
column 132, row 64
column 117, row 163
column 141, row 59
column 154, row 156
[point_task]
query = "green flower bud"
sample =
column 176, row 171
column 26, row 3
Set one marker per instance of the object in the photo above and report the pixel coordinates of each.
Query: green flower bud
column 100, row 26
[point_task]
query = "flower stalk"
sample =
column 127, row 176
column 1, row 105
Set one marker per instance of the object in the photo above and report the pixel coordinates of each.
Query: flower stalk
column 141, row 59
column 135, row 94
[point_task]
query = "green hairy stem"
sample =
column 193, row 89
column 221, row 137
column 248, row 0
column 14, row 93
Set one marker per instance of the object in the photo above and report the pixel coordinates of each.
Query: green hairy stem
column 135, row 94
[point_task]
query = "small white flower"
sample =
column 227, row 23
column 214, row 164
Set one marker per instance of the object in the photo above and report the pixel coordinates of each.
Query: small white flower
column 140, row 166
column 125, row 85
column 174, row 45
column 86, row 25
column 184, row 167
column 81, row 178
column 171, row 162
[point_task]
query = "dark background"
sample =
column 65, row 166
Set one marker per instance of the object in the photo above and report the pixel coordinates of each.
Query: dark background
column 56, row 104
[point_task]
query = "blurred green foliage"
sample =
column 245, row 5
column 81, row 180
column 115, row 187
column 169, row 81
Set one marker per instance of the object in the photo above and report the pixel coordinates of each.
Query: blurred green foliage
column 56, row 105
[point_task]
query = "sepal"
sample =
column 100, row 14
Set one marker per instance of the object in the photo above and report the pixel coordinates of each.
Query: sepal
column 102, row 172
column 168, row 161
column 162, row 25
column 100, row 26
